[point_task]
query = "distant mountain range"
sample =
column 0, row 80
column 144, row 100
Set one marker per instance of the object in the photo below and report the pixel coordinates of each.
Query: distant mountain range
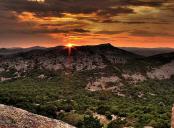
column 148, row 51
column 6, row 51
column 139, row 51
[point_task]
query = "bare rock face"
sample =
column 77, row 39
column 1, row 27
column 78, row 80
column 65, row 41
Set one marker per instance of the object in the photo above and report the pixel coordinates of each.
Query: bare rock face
column 134, row 78
column 164, row 72
column 104, row 83
column 11, row 117
column 172, row 122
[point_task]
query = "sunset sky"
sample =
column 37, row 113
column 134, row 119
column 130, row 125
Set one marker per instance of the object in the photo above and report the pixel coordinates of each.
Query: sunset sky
column 123, row 23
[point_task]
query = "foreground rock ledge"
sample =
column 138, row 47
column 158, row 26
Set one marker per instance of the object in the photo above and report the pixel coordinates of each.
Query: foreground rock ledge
column 11, row 117
column 172, row 122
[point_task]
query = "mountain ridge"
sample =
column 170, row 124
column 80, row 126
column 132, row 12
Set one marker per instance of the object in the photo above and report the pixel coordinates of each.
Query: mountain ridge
column 97, row 80
column 136, row 50
column 148, row 51
column 86, row 58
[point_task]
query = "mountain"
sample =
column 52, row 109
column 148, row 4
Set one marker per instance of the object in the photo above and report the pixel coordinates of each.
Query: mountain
column 102, row 80
column 148, row 51
column 109, row 63
column 7, row 51
column 167, row 57
column 139, row 51
column 82, row 58
column 11, row 117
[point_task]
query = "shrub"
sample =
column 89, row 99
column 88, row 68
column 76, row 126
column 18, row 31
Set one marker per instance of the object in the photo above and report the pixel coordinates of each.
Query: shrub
column 103, row 109
column 72, row 118
column 117, row 124
column 90, row 122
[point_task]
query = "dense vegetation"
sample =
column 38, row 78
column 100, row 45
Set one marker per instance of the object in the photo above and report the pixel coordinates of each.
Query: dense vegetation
column 64, row 97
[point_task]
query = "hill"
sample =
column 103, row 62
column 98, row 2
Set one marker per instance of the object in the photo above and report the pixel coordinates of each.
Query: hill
column 8, row 51
column 148, row 51
column 92, row 80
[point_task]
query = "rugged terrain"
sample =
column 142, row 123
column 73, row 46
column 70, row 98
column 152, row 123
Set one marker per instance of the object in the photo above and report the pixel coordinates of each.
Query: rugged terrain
column 11, row 117
column 113, row 66
column 68, row 84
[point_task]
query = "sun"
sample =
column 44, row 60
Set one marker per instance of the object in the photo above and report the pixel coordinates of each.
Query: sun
column 69, row 45
column 38, row 1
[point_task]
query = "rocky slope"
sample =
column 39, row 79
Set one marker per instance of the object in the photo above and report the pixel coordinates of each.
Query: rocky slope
column 172, row 119
column 113, row 67
column 64, row 86
column 57, row 59
column 11, row 117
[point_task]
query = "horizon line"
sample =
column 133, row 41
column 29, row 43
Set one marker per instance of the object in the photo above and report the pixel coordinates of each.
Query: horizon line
column 76, row 45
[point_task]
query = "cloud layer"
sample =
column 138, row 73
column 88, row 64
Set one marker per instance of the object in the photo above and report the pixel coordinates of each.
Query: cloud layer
column 143, row 23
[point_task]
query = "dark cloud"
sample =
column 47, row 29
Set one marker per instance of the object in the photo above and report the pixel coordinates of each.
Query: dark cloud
column 47, row 31
column 133, row 22
column 57, row 7
column 75, row 24
column 86, row 18
column 145, row 33
column 115, row 11
column 110, row 32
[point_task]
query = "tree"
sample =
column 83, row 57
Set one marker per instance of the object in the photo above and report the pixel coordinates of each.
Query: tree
column 103, row 109
column 117, row 123
column 108, row 115
column 90, row 122
column 72, row 118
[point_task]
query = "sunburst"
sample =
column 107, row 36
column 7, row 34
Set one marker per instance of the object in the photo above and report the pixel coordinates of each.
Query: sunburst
column 69, row 45
column 38, row 1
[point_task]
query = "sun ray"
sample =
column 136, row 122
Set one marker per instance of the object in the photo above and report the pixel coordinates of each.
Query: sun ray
column 70, row 45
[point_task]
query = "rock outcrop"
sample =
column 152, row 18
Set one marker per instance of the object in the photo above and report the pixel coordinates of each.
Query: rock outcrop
column 172, row 122
column 164, row 72
column 104, row 83
column 11, row 117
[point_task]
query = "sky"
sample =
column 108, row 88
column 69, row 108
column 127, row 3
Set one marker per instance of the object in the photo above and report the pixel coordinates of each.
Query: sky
column 123, row 23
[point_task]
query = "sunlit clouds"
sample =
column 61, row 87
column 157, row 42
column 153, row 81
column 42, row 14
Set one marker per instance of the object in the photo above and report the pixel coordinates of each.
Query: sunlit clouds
column 128, row 23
